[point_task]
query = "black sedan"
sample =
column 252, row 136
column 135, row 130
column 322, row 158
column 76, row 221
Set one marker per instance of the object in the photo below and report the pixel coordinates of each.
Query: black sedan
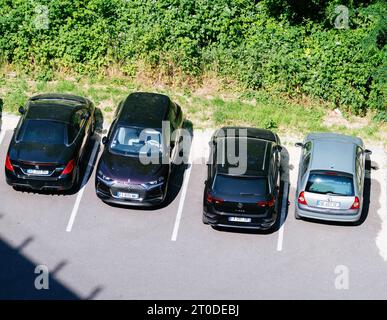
column 49, row 142
column 249, row 198
column 122, row 176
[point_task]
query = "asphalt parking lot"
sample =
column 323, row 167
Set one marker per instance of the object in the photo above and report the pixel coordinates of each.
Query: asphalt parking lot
column 96, row 251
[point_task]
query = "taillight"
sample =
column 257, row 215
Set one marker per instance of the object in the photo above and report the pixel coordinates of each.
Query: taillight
column 356, row 203
column 211, row 199
column 268, row 203
column 301, row 198
column 69, row 167
column 8, row 164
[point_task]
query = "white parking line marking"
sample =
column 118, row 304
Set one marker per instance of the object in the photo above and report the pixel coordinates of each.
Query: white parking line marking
column 381, row 239
column 80, row 193
column 187, row 175
column 282, row 216
column 2, row 135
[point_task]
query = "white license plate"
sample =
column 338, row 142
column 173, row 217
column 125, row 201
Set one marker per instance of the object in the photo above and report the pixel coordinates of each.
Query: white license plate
column 238, row 219
column 126, row 195
column 38, row 172
column 328, row 204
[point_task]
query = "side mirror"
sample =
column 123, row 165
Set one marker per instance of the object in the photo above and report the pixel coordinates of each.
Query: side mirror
column 367, row 152
column 104, row 140
column 299, row 144
column 86, row 116
column 22, row 110
column 279, row 148
column 104, row 131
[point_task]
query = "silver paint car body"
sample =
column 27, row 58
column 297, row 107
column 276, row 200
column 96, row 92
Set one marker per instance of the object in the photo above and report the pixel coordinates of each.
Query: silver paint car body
column 338, row 159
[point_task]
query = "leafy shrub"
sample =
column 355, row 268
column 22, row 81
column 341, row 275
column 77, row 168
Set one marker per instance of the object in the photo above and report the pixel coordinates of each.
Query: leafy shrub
column 281, row 46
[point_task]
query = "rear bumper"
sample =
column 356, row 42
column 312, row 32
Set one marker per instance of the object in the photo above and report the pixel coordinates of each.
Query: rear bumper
column 258, row 222
column 40, row 184
column 351, row 215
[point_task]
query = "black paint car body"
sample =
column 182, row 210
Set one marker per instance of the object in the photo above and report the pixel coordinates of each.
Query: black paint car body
column 248, row 200
column 49, row 142
column 122, row 178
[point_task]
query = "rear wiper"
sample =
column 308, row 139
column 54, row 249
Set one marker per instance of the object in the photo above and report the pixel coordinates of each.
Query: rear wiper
column 248, row 194
column 334, row 193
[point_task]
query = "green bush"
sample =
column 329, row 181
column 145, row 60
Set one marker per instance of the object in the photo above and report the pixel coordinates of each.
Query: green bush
column 282, row 46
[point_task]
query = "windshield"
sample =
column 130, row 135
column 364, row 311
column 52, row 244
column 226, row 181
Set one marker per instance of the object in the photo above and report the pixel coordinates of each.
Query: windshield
column 330, row 183
column 43, row 131
column 136, row 141
column 235, row 185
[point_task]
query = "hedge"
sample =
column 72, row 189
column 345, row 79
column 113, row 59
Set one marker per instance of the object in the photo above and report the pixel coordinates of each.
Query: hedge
column 272, row 44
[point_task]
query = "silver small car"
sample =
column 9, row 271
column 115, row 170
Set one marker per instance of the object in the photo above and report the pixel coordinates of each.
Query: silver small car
column 331, row 177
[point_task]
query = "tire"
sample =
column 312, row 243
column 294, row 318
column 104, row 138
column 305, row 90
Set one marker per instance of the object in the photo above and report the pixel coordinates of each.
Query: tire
column 76, row 184
column 296, row 215
column 204, row 219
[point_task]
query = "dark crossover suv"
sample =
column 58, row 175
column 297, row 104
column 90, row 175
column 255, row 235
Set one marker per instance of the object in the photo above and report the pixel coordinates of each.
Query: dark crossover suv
column 248, row 199
column 49, row 142
column 122, row 176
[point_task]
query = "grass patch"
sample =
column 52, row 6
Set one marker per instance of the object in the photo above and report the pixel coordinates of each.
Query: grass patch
column 269, row 113
column 16, row 95
column 213, row 109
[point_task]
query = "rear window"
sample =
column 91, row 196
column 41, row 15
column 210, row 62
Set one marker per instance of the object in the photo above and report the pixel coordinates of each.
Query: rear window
column 330, row 183
column 231, row 185
column 42, row 131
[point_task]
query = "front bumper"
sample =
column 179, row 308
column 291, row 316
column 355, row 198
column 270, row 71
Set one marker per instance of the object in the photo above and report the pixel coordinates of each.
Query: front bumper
column 147, row 198
column 258, row 222
column 351, row 215
column 61, row 183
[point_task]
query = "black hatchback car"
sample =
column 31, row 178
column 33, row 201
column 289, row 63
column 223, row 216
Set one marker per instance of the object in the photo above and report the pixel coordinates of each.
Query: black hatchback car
column 248, row 199
column 49, row 142
column 122, row 177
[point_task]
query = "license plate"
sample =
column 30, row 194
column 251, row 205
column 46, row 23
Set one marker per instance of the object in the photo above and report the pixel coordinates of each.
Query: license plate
column 238, row 219
column 38, row 172
column 328, row 204
column 126, row 195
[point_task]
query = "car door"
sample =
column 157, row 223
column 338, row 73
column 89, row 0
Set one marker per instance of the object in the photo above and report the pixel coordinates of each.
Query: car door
column 78, row 131
column 277, row 164
column 359, row 170
column 175, row 134
column 211, row 165
column 304, row 163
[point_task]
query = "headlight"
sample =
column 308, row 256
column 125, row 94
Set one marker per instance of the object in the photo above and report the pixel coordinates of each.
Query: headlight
column 103, row 177
column 154, row 183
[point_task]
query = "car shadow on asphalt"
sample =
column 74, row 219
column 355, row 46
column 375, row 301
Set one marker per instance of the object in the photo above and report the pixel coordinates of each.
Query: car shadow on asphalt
column 369, row 166
column 283, row 196
column 176, row 178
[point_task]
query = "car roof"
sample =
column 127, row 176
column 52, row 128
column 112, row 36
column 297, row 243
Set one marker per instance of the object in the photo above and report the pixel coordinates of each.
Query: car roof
column 258, row 156
column 328, row 136
column 143, row 109
column 258, row 133
column 336, row 155
column 55, row 107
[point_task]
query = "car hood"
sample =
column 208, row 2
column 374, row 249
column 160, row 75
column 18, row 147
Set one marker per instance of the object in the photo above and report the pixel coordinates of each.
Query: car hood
column 40, row 153
column 124, row 168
